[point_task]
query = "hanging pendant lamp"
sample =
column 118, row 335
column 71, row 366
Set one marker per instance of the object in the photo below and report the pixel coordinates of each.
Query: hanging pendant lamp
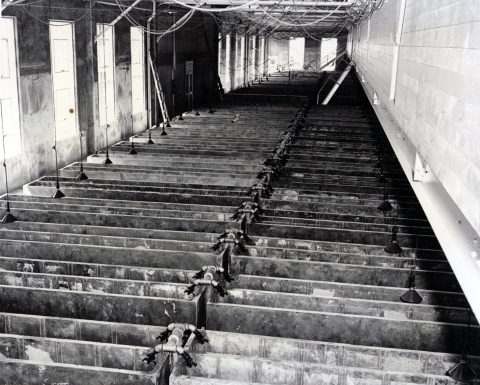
column 411, row 296
column 8, row 217
column 394, row 247
column 462, row 371
column 81, row 175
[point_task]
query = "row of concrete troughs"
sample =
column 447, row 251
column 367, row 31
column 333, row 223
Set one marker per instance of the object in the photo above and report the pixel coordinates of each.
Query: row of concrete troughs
column 300, row 292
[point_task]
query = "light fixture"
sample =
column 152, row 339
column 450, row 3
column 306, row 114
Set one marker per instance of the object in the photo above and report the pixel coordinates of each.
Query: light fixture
column 385, row 205
column 462, row 371
column 150, row 141
column 8, row 217
column 81, row 175
column 107, row 158
column 411, row 296
column 163, row 133
column 382, row 178
column 132, row 149
column 394, row 247
column 58, row 193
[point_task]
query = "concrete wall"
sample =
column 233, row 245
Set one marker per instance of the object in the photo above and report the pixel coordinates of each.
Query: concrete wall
column 35, row 83
column 235, row 69
column 197, row 42
column 35, row 92
column 312, row 50
column 278, row 51
column 436, row 102
column 431, row 116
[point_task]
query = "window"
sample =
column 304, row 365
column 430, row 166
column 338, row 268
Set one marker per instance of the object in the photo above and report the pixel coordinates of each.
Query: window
column 9, row 107
column 105, row 64
column 138, row 77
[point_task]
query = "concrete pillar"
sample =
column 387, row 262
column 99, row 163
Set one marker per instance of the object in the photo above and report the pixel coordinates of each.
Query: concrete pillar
column 312, row 51
column 233, row 58
column 341, row 45
column 227, row 85
column 222, row 60
column 261, row 56
column 278, row 54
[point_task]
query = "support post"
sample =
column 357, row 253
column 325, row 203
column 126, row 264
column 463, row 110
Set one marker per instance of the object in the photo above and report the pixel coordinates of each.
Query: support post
column 396, row 49
column 337, row 84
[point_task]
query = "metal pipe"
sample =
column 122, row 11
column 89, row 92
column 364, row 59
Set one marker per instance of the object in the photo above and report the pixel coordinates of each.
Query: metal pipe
column 337, row 84
column 396, row 49
column 304, row 3
column 155, row 114
column 327, row 64
column 118, row 19
column 149, row 73
column 8, row 2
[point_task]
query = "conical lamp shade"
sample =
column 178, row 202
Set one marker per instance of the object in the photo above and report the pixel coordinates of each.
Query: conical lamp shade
column 385, row 206
column 107, row 161
column 461, row 372
column 132, row 151
column 411, row 296
column 8, row 218
column 378, row 164
column 393, row 248
column 382, row 179
column 81, row 176
column 58, row 194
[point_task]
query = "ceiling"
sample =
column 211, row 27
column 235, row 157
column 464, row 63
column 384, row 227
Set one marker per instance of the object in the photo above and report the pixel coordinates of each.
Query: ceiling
column 281, row 19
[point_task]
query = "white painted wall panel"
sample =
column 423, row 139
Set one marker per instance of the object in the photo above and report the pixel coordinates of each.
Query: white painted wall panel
column 436, row 102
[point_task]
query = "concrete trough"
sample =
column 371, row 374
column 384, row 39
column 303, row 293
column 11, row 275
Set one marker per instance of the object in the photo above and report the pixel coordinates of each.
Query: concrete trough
column 81, row 353
column 107, row 255
column 331, row 354
column 101, row 306
column 353, row 306
column 31, row 373
column 229, row 370
column 340, row 328
column 337, row 272
column 180, row 178
column 79, row 329
column 160, row 160
column 345, row 290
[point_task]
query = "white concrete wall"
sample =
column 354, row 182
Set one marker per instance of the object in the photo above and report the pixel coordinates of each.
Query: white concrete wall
column 437, row 99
